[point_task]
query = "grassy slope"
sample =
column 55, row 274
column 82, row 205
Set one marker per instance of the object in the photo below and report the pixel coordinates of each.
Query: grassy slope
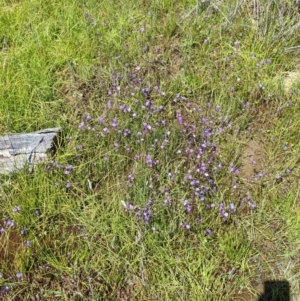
column 62, row 62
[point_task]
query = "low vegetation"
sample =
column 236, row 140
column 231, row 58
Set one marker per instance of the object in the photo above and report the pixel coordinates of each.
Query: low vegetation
column 176, row 175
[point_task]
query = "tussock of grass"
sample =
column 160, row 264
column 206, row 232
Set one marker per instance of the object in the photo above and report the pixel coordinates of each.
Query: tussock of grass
column 148, row 197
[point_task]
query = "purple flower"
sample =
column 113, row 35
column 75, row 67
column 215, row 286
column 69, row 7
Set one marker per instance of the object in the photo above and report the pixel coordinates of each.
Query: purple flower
column 9, row 223
column 68, row 185
column 207, row 232
column 106, row 130
column 68, row 169
column 147, row 127
column 16, row 209
column 27, row 243
column 114, row 123
column 127, row 132
column 147, row 215
column 19, row 275
column 131, row 177
column 167, row 201
column 187, row 206
column 81, row 125
column 232, row 208
column 151, row 163
column 179, row 117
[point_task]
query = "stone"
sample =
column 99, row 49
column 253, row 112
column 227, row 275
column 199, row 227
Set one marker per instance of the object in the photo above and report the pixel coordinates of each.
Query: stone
column 26, row 149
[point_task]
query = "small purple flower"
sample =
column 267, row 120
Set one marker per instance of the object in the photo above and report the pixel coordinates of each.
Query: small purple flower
column 167, row 201
column 199, row 220
column 150, row 162
column 207, row 232
column 114, row 123
column 17, row 209
column 19, row 275
column 147, row 127
column 27, row 243
column 187, row 206
column 81, row 125
column 23, row 231
column 127, row 132
column 106, row 130
column 68, row 169
column 185, row 225
column 131, row 177
column 9, row 223
column 68, row 185
column 38, row 212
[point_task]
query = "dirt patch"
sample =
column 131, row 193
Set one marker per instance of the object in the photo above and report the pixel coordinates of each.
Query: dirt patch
column 10, row 245
column 291, row 79
column 175, row 59
column 76, row 94
column 249, row 294
column 252, row 159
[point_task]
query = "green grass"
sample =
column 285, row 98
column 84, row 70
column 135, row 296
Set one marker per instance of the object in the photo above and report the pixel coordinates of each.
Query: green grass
column 131, row 226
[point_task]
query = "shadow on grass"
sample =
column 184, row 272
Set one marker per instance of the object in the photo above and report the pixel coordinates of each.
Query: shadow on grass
column 276, row 291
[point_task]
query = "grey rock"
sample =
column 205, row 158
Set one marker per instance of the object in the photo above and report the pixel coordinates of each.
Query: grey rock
column 26, row 149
